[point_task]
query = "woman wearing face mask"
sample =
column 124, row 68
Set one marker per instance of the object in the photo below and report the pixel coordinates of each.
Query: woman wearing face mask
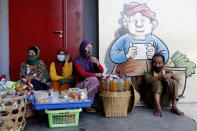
column 88, row 69
column 34, row 70
column 61, row 71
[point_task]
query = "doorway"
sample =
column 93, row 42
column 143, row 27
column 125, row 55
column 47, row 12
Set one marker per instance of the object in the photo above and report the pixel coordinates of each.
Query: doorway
column 48, row 24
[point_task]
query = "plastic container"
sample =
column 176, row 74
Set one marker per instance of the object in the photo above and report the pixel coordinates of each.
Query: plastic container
column 102, row 83
column 114, row 85
column 43, row 106
column 121, row 85
column 63, row 118
column 127, row 83
column 108, row 81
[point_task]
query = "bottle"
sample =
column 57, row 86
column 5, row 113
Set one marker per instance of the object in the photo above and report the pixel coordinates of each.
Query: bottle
column 121, row 82
column 127, row 83
column 101, row 83
column 114, row 85
column 111, row 85
column 108, row 81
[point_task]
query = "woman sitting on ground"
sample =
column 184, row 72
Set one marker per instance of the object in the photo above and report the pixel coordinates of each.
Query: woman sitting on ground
column 61, row 71
column 88, row 69
column 34, row 70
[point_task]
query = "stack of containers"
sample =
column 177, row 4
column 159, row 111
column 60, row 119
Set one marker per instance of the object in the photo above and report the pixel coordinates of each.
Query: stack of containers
column 115, row 93
column 61, row 113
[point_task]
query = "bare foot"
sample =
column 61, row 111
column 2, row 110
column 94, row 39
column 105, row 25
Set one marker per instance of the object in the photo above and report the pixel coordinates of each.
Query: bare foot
column 177, row 111
column 158, row 113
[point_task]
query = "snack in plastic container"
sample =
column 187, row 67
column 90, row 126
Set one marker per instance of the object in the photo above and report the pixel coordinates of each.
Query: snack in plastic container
column 54, row 96
column 83, row 94
column 41, row 96
column 65, row 95
column 74, row 95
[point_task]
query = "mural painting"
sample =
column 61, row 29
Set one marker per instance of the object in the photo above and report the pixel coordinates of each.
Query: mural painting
column 132, row 51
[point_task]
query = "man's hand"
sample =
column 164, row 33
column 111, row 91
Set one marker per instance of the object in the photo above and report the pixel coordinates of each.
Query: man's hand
column 169, row 81
column 150, row 50
column 94, row 60
column 167, row 76
column 132, row 51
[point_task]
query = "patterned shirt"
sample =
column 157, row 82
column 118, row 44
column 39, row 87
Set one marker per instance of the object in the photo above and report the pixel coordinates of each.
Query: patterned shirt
column 35, row 71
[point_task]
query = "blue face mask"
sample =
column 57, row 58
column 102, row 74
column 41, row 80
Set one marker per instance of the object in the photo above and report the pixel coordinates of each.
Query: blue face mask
column 61, row 57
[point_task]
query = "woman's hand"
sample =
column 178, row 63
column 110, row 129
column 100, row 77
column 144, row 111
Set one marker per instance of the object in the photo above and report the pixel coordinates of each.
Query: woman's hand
column 67, row 58
column 38, row 79
column 98, row 75
column 28, row 78
column 94, row 60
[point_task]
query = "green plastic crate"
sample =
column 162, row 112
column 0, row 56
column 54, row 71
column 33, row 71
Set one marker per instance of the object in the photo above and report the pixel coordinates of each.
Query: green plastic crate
column 63, row 118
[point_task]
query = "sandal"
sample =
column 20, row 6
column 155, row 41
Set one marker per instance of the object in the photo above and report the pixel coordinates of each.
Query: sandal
column 90, row 110
column 177, row 111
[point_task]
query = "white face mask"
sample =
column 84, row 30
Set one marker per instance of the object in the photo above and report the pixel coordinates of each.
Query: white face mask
column 61, row 57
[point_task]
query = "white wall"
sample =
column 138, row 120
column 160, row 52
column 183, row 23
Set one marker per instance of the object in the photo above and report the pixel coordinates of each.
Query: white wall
column 177, row 27
column 4, row 38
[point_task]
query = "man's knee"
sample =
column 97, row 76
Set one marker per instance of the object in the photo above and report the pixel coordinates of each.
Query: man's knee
column 157, row 87
column 175, row 83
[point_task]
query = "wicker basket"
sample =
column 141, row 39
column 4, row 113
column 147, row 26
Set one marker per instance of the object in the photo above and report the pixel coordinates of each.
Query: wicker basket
column 115, row 103
column 29, row 110
column 12, row 114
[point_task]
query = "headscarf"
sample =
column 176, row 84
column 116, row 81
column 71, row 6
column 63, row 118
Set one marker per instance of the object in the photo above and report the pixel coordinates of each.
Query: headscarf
column 135, row 7
column 82, row 59
column 59, row 64
column 36, row 61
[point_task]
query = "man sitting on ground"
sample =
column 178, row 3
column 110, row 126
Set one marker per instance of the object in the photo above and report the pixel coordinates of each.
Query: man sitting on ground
column 162, row 87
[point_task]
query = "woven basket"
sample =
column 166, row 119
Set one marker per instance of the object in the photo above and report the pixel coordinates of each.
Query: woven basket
column 12, row 114
column 29, row 110
column 115, row 103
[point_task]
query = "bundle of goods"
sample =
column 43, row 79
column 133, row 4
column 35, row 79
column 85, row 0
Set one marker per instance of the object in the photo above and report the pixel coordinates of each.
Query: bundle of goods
column 71, row 98
column 41, row 96
column 25, row 86
column 113, row 83
column 12, row 110
column 70, row 95
column 2, row 81
column 118, row 94
column 21, row 85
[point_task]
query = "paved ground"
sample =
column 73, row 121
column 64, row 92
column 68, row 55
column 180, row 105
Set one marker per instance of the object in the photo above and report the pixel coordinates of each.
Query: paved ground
column 140, row 119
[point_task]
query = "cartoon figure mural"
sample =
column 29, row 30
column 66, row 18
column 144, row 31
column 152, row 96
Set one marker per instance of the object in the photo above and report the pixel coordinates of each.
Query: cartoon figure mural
column 132, row 51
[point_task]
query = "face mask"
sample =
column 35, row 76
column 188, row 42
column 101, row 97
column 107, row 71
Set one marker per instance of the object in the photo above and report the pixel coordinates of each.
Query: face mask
column 31, row 57
column 61, row 57
column 88, row 52
column 157, row 69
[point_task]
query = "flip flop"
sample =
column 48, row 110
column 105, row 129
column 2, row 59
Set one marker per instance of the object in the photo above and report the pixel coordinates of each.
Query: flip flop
column 90, row 110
